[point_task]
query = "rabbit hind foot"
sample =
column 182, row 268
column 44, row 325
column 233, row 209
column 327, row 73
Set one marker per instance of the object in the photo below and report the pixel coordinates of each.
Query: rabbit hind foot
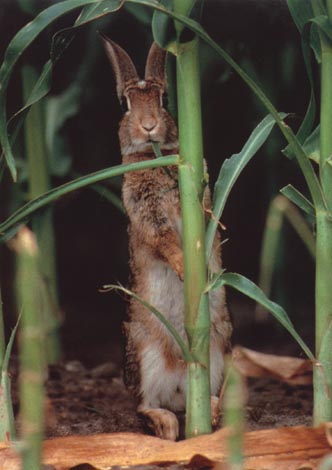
column 163, row 422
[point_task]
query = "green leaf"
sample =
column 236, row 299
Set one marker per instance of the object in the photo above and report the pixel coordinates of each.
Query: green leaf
column 16, row 48
column 182, row 345
column 163, row 29
column 323, row 24
column 7, row 422
column 29, row 32
column 312, row 145
column 301, row 11
column 15, row 220
column 299, row 200
column 97, row 10
column 58, row 110
column 231, row 170
column 302, row 14
column 248, row 288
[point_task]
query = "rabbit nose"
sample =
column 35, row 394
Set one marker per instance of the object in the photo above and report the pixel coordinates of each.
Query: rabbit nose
column 149, row 124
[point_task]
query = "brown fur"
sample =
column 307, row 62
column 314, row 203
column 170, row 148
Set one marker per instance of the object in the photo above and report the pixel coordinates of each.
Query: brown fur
column 155, row 370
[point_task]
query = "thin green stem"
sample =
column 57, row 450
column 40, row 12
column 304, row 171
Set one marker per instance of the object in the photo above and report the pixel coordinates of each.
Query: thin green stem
column 329, row 9
column 234, row 417
column 39, row 183
column 280, row 208
column 22, row 214
column 191, row 184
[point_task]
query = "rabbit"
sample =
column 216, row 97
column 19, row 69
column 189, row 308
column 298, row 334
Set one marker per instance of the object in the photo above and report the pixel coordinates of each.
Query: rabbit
column 154, row 369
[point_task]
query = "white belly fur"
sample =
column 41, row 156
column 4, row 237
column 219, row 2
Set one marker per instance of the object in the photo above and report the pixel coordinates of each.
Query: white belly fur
column 160, row 386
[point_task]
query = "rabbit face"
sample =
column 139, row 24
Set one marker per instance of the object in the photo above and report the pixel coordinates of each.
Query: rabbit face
column 146, row 120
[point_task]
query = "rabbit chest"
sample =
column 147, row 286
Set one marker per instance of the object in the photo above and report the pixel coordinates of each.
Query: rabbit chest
column 151, row 198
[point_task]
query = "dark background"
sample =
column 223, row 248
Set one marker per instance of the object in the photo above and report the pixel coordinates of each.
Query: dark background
column 91, row 232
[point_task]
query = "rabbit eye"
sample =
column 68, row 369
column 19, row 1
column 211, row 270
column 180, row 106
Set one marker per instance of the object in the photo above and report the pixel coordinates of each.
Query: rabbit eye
column 164, row 100
column 124, row 105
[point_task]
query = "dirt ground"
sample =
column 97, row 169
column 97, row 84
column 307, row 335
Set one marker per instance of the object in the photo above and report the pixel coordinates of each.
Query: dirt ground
column 94, row 400
column 87, row 394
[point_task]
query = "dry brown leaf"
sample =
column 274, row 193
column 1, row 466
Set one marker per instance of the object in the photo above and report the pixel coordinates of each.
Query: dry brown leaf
column 273, row 449
column 292, row 370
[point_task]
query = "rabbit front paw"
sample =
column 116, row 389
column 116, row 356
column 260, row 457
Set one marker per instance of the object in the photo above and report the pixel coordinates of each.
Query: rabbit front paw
column 215, row 411
column 163, row 422
column 177, row 265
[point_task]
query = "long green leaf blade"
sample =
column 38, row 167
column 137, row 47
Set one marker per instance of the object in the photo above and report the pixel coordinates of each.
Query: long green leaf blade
column 22, row 214
column 299, row 200
column 16, row 48
column 7, row 422
column 248, row 288
column 188, row 356
column 68, row 5
column 231, row 170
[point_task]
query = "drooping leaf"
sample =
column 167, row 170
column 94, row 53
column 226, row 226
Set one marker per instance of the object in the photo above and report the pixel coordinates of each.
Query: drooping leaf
column 231, row 170
column 312, row 145
column 97, row 10
column 187, row 355
column 299, row 200
column 23, row 39
column 163, row 26
column 15, row 220
column 249, row 289
column 16, row 48
column 302, row 13
column 323, row 24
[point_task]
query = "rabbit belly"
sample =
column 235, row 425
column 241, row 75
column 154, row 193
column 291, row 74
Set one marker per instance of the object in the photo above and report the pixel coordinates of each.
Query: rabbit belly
column 165, row 292
column 163, row 372
column 161, row 386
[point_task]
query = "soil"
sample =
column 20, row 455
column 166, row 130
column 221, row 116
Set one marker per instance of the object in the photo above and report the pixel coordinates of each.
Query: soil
column 86, row 394
column 94, row 400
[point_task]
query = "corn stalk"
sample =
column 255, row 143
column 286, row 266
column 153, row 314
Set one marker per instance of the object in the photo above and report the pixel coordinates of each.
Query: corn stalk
column 323, row 372
column 191, row 183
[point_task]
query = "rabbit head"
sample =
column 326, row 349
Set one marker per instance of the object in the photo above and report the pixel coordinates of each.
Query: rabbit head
column 145, row 118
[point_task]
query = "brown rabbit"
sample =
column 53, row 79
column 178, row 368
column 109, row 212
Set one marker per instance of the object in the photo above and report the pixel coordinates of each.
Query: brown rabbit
column 155, row 371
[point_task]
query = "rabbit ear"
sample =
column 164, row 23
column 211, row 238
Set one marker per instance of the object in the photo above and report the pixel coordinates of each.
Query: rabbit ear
column 156, row 64
column 122, row 64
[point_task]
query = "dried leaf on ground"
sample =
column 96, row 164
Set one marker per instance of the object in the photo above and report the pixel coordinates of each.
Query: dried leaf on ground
column 292, row 370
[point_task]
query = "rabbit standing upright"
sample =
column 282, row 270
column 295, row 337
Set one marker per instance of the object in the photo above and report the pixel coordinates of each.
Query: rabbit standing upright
column 154, row 370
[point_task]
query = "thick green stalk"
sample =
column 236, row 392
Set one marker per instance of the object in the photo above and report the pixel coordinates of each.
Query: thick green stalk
column 326, row 120
column 32, row 351
column 42, row 224
column 323, row 371
column 2, row 334
column 191, row 183
column 234, row 417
